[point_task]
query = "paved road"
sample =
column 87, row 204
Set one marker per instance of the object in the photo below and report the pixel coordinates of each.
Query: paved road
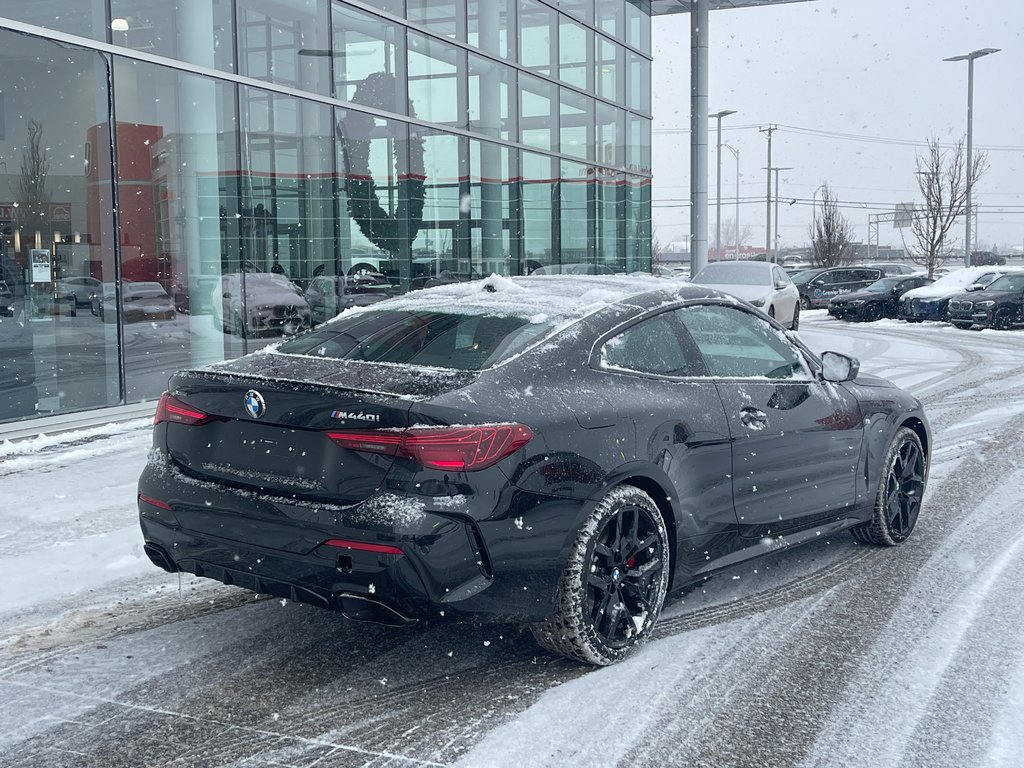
column 832, row 655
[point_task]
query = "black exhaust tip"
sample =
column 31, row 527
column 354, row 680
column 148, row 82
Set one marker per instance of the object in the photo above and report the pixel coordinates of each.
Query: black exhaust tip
column 160, row 558
column 362, row 608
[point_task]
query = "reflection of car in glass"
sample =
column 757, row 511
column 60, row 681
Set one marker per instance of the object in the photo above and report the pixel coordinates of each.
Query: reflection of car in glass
column 52, row 299
column 878, row 300
column 931, row 302
column 764, row 285
column 329, row 295
column 6, row 301
column 1000, row 305
column 270, row 303
column 80, row 289
column 576, row 268
column 142, row 301
column 818, row 286
column 18, row 393
column 431, row 486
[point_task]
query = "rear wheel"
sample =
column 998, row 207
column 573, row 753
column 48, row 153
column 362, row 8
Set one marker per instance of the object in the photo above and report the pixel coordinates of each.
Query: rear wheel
column 614, row 584
column 898, row 500
column 805, row 303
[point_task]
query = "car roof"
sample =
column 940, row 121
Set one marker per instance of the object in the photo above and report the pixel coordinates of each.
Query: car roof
column 549, row 298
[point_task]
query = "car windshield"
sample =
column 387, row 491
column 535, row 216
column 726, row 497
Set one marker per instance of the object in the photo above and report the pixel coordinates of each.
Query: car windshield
column 733, row 273
column 885, row 284
column 1007, row 283
column 436, row 339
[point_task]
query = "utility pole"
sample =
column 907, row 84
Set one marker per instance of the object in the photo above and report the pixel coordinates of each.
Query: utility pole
column 775, row 258
column 768, row 195
column 736, row 154
column 718, row 182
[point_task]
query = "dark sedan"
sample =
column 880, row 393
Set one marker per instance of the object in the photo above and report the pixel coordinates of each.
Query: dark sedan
column 1000, row 305
column 878, row 300
column 562, row 451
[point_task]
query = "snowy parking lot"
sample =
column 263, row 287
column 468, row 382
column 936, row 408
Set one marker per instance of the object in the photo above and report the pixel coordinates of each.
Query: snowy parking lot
column 835, row 654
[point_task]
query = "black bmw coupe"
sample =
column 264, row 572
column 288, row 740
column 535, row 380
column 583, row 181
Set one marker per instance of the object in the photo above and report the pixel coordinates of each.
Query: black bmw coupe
column 562, row 451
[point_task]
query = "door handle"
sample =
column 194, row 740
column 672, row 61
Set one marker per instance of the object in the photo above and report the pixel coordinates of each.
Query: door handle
column 753, row 418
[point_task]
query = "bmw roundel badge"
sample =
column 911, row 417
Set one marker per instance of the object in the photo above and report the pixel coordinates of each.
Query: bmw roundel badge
column 255, row 405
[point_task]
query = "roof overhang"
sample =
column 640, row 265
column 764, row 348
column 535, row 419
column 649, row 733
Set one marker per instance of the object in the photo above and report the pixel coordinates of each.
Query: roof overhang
column 664, row 7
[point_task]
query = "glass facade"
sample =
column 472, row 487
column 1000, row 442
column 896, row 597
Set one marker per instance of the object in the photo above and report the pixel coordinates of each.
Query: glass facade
column 174, row 175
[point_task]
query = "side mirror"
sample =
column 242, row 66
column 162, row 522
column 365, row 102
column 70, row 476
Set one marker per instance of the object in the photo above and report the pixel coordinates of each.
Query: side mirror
column 838, row 367
column 779, row 285
column 227, row 294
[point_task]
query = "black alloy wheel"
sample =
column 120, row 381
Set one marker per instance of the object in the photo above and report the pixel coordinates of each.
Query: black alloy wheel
column 294, row 321
column 900, row 490
column 805, row 303
column 872, row 311
column 614, row 585
column 1003, row 319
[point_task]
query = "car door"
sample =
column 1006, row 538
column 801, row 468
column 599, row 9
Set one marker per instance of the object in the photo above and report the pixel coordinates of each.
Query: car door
column 681, row 426
column 786, row 298
column 796, row 441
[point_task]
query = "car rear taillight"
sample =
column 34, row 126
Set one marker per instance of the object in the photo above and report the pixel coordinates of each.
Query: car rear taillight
column 459, row 449
column 173, row 410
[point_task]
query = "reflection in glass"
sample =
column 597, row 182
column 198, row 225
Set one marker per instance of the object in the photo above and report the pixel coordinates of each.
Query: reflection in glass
column 366, row 45
column 439, row 251
column 488, row 25
column 576, row 186
column 611, row 17
column 638, row 224
column 583, row 9
column 86, row 18
column 56, row 238
column 638, row 24
column 178, row 187
column 610, row 125
column 490, row 211
column 538, row 33
column 285, row 42
column 199, row 32
column 638, row 83
column 539, row 119
column 575, row 54
column 610, row 66
column 576, row 124
column 444, row 17
column 540, row 200
column 435, row 71
column 639, row 158
column 610, row 230
column 492, row 102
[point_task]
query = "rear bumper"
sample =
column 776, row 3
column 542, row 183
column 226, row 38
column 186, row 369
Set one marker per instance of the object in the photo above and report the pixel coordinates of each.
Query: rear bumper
column 504, row 567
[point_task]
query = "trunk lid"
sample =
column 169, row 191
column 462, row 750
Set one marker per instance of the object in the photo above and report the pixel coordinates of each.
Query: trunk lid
column 271, row 414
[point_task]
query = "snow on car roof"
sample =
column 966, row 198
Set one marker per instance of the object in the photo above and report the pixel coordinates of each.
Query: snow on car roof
column 553, row 299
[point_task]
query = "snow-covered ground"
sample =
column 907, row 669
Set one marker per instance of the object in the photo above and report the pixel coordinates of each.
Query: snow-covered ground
column 831, row 655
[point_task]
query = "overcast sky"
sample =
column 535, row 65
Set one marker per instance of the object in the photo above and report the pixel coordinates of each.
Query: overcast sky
column 866, row 68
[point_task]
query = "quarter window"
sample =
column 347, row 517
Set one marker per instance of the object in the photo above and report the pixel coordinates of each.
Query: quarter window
column 649, row 347
column 735, row 343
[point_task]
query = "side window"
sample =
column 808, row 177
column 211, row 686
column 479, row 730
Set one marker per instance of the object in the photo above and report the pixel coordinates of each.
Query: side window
column 871, row 275
column 779, row 276
column 735, row 343
column 649, row 347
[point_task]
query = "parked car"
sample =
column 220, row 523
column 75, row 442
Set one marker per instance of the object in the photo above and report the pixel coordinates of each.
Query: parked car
column 878, row 300
column 818, row 286
column 6, row 301
column 897, row 269
column 999, row 305
column 269, row 303
column 329, row 295
column 140, row 302
column 764, row 285
column 574, row 268
column 429, row 486
column 79, row 289
column 931, row 302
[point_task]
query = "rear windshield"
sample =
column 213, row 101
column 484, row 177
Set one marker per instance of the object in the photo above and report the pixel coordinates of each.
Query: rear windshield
column 467, row 342
column 733, row 273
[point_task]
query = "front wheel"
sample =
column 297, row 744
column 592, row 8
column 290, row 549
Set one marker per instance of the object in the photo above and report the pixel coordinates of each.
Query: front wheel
column 898, row 500
column 795, row 325
column 1003, row 319
column 614, row 584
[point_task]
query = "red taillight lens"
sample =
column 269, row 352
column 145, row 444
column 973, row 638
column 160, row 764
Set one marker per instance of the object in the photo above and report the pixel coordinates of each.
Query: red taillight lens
column 365, row 546
column 171, row 409
column 458, row 449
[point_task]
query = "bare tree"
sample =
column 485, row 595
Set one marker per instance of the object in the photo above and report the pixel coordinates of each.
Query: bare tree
column 657, row 253
column 33, row 198
column 729, row 236
column 830, row 232
column 943, row 181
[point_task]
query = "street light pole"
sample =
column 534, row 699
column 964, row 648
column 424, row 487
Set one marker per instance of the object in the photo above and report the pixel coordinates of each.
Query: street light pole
column 814, row 219
column 718, row 182
column 736, row 154
column 969, row 58
column 768, row 195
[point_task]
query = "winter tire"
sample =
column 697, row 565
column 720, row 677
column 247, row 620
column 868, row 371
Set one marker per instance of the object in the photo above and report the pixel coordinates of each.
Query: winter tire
column 900, row 490
column 1003, row 319
column 871, row 313
column 614, row 584
column 805, row 303
column 795, row 325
